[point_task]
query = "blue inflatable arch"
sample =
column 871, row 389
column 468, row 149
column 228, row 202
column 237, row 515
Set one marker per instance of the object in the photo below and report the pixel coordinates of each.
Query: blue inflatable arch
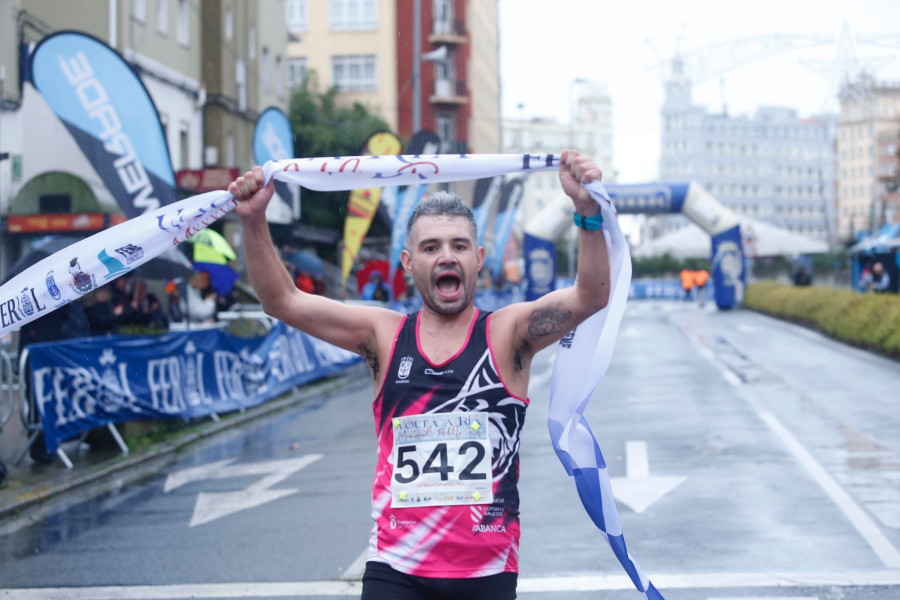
column 687, row 198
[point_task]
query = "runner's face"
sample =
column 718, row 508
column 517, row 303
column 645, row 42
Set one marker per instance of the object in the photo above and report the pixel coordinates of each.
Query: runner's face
column 444, row 262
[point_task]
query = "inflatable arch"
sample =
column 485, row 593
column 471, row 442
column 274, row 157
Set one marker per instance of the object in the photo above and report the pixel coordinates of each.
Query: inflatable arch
column 687, row 198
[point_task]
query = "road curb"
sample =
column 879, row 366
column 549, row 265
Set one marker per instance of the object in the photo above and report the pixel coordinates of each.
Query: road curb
column 136, row 466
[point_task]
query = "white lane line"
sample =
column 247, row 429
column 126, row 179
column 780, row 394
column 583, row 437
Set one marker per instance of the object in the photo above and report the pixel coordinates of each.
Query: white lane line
column 573, row 583
column 705, row 351
column 355, row 571
column 854, row 513
column 637, row 463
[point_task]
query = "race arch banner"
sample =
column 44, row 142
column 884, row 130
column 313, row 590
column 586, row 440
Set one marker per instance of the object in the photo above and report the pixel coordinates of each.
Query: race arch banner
column 107, row 109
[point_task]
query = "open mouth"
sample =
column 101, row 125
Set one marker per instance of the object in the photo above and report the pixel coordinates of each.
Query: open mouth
column 448, row 284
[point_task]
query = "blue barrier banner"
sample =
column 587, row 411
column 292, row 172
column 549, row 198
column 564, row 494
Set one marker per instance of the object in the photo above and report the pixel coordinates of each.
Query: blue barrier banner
column 540, row 267
column 82, row 384
column 109, row 112
column 728, row 268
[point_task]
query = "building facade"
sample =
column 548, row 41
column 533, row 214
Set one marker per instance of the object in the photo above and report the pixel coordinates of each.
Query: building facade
column 417, row 64
column 589, row 130
column 773, row 166
column 210, row 68
column 867, row 142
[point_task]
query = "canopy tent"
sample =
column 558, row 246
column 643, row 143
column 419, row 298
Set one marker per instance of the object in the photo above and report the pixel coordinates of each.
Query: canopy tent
column 887, row 239
column 760, row 240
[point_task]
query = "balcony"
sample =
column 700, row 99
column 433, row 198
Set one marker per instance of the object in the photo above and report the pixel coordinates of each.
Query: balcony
column 449, row 92
column 444, row 31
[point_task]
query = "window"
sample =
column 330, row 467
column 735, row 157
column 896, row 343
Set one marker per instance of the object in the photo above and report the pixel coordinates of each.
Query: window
column 265, row 76
column 446, row 130
column 183, row 25
column 229, row 25
column 296, row 71
column 279, row 77
column 229, row 150
column 183, row 145
column 162, row 17
column 240, row 78
column 354, row 14
column 139, row 10
column 443, row 16
column 297, row 15
column 251, row 42
column 354, row 72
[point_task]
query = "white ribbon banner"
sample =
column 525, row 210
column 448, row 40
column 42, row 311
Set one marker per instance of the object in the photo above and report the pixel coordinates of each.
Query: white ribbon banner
column 77, row 270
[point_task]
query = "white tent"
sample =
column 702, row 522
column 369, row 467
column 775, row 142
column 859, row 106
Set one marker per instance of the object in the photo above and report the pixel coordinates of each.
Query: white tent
column 760, row 239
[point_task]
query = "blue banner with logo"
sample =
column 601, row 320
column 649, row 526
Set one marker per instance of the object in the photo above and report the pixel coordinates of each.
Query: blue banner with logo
column 109, row 112
column 728, row 268
column 648, row 198
column 82, row 384
column 540, row 267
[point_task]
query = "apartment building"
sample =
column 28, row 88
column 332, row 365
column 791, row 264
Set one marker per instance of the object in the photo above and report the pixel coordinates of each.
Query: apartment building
column 867, row 141
column 417, row 64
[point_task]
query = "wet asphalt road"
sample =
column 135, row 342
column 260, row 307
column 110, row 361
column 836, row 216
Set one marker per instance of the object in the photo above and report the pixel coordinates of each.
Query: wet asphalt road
column 764, row 462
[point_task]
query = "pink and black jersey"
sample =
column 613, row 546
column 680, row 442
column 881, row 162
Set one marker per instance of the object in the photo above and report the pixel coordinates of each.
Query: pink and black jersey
column 458, row 540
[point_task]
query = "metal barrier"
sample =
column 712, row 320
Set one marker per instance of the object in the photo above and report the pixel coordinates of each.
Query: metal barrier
column 31, row 419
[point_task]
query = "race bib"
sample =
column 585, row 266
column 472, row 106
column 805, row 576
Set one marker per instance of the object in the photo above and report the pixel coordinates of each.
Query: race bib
column 441, row 459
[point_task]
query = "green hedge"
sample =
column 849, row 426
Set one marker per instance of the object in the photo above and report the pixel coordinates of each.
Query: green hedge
column 871, row 321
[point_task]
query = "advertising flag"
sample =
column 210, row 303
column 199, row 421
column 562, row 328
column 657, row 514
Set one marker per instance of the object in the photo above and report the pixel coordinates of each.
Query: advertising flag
column 273, row 139
column 506, row 213
column 424, row 142
column 109, row 112
column 363, row 203
column 486, row 191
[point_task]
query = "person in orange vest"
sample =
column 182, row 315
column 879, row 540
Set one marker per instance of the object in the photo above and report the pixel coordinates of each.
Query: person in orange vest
column 687, row 283
column 700, row 279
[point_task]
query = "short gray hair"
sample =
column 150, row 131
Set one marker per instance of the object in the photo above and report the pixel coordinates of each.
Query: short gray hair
column 442, row 204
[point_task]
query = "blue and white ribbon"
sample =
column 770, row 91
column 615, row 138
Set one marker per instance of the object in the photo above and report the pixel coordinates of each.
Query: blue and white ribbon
column 90, row 263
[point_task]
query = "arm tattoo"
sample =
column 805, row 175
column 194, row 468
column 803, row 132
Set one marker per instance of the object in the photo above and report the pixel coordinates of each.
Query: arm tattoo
column 371, row 358
column 546, row 322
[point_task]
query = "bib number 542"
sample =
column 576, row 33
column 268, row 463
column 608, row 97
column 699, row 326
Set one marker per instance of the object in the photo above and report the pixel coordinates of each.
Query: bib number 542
column 438, row 462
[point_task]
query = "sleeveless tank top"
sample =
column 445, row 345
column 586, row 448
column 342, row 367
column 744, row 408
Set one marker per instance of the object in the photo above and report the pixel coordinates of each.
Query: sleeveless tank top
column 465, row 540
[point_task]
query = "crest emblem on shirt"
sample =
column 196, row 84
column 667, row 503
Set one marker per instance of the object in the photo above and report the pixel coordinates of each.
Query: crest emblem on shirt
column 405, row 367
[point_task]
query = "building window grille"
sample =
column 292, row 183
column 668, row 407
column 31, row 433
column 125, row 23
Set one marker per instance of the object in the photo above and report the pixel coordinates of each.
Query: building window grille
column 353, row 14
column 354, row 73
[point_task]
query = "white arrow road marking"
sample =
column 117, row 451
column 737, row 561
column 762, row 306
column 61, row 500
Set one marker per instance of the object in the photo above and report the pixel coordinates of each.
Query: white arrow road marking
column 211, row 506
column 638, row 490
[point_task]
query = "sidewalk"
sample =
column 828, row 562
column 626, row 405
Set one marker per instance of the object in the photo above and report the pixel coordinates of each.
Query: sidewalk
column 31, row 485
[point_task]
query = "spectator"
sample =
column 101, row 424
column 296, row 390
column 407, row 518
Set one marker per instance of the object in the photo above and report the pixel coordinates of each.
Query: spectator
column 881, row 279
column 700, row 278
column 687, row 283
column 376, row 288
column 103, row 316
column 801, row 277
column 145, row 309
column 304, row 282
column 199, row 303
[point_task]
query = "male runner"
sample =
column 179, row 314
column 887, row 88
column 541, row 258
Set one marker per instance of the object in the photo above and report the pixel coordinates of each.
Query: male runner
column 450, row 385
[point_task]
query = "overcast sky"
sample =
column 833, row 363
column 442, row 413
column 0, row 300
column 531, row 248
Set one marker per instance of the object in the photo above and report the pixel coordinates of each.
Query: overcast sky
column 544, row 45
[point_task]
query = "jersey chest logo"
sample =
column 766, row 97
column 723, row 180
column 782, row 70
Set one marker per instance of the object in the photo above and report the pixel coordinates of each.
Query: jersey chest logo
column 405, row 367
